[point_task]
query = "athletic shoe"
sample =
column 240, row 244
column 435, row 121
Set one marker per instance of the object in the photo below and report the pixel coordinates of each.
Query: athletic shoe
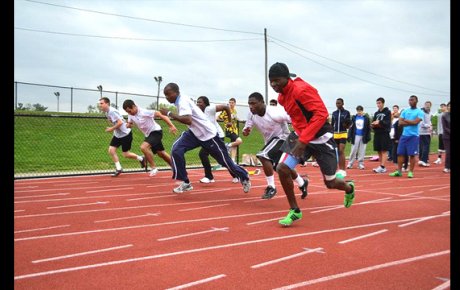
column 396, row 174
column 410, row 174
column 380, row 169
column 349, row 197
column 117, row 172
column 206, row 180
column 361, row 166
column 424, row 164
column 153, row 172
column 303, row 189
column 235, row 180
column 246, row 185
column 446, row 170
column 183, row 187
column 341, row 174
column 290, row 218
column 143, row 162
column 350, row 166
column 438, row 161
column 269, row 192
column 315, row 164
column 404, row 169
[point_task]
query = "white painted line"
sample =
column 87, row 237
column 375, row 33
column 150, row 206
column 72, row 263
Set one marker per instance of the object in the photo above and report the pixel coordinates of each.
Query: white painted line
column 81, row 254
column 412, row 193
column 327, row 209
column 83, row 197
column 439, row 188
column 203, row 207
column 19, row 210
column 197, row 282
column 375, row 200
column 74, row 188
column 112, row 189
column 422, row 220
column 81, row 204
column 33, row 196
column 264, row 221
column 443, row 286
column 446, row 212
column 362, row 270
column 364, row 236
column 196, row 233
column 40, row 229
column 128, row 217
column 307, row 251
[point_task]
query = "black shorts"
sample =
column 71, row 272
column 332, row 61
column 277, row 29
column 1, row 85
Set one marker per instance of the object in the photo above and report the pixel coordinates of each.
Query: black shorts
column 441, row 143
column 271, row 150
column 326, row 154
column 154, row 139
column 341, row 141
column 382, row 141
column 232, row 136
column 124, row 142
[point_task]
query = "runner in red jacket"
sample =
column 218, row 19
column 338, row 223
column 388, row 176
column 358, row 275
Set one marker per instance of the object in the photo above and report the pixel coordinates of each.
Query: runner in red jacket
column 313, row 136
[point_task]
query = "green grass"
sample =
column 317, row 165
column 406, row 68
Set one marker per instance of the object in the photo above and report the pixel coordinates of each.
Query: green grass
column 69, row 144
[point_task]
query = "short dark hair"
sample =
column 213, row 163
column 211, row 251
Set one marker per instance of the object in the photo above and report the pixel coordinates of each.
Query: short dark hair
column 396, row 106
column 257, row 96
column 106, row 100
column 340, row 99
column 128, row 104
column 173, row 87
column 381, row 100
column 232, row 99
column 359, row 108
column 414, row 96
column 274, row 101
column 204, row 99
column 442, row 105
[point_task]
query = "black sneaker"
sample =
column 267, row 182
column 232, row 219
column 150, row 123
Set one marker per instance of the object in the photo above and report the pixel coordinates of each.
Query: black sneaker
column 303, row 188
column 269, row 192
column 143, row 163
column 117, row 172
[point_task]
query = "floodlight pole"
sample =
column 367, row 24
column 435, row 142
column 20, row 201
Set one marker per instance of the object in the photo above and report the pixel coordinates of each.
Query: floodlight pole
column 158, row 79
column 57, row 94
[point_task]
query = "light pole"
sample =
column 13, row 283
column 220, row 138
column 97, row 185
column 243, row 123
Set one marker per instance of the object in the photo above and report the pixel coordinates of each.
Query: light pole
column 57, row 94
column 158, row 80
column 99, row 87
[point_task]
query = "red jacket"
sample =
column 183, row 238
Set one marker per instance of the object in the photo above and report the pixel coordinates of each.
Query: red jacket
column 306, row 109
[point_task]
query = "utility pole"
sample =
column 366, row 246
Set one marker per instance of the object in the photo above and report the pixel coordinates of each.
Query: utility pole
column 99, row 87
column 158, row 79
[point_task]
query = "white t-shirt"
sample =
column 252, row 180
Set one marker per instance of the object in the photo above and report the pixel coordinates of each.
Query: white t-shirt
column 113, row 116
column 201, row 127
column 210, row 112
column 144, row 120
column 273, row 124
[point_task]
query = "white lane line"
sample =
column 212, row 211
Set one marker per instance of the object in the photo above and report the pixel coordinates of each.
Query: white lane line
column 412, row 193
column 43, row 195
column 375, row 200
column 111, row 189
column 306, row 251
column 81, row 204
column 264, row 221
column 203, row 207
column 439, row 188
column 422, row 220
column 329, row 208
column 40, row 229
column 81, row 254
column 362, row 270
column 128, row 217
column 363, row 236
column 197, row 282
column 213, row 229
column 83, row 197
column 74, row 188
column 19, row 210
column 443, row 286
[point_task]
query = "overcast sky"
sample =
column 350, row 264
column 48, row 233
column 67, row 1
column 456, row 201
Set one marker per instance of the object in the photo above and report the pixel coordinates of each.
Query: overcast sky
column 352, row 49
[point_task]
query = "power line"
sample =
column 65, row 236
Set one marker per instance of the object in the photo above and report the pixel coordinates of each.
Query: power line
column 131, row 38
column 356, row 68
column 353, row 76
column 146, row 19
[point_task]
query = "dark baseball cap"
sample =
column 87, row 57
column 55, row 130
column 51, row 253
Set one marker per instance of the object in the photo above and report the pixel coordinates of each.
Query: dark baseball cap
column 280, row 70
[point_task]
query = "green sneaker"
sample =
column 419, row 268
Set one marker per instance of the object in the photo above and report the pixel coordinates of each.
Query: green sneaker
column 349, row 197
column 410, row 174
column 397, row 173
column 290, row 218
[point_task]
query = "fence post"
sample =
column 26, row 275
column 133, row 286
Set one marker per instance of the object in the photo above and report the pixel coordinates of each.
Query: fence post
column 71, row 100
column 15, row 96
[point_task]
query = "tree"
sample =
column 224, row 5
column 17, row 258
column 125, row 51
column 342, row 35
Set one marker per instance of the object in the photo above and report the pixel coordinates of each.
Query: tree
column 92, row 109
column 39, row 107
column 21, row 107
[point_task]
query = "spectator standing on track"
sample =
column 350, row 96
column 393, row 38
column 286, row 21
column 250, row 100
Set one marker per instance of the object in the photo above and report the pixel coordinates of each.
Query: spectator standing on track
column 381, row 123
column 210, row 111
column 201, row 132
column 122, row 136
column 341, row 121
column 145, row 121
column 272, row 122
column 426, row 130
column 231, row 132
column 313, row 136
column 445, row 119
column 443, row 109
column 359, row 135
column 397, row 135
column 408, row 143
column 392, row 155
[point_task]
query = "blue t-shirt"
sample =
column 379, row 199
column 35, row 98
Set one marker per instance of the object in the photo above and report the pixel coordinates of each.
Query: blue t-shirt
column 359, row 122
column 411, row 114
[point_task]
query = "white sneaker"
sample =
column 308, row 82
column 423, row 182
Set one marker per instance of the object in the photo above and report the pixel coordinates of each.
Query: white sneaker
column 315, row 164
column 446, row 170
column 153, row 172
column 380, row 169
column 438, row 161
column 422, row 163
column 350, row 166
column 183, row 187
column 361, row 166
column 235, row 180
column 206, row 180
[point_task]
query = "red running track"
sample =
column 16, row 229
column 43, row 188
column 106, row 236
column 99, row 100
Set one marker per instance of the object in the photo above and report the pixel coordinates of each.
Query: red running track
column 133, row 232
